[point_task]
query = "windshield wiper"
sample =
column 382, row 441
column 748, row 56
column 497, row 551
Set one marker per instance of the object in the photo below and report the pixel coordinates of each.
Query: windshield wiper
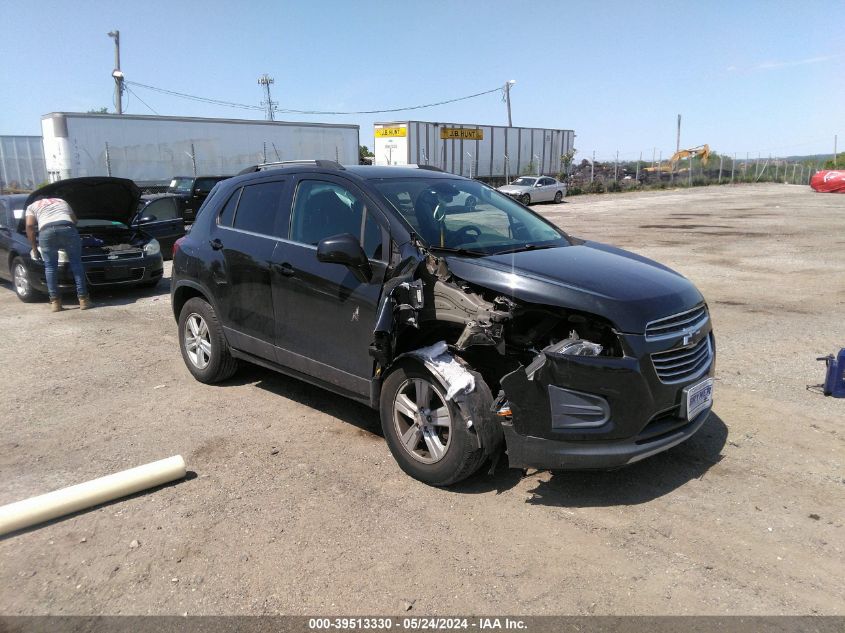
column 458, row 251
column 526, row 247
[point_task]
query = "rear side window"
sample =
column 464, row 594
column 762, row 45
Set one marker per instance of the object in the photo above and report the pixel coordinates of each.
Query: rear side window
column 228, row 213
column 258, row 206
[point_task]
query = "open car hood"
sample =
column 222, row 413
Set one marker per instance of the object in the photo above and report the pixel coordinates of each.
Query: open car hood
column 95, row 197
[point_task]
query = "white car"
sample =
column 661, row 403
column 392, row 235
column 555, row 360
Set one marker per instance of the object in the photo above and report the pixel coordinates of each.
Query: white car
column 530, row 189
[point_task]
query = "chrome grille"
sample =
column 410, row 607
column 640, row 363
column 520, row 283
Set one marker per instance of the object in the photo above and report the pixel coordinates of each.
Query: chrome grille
column 116, row 255
column 676, row 324
column 683, row 363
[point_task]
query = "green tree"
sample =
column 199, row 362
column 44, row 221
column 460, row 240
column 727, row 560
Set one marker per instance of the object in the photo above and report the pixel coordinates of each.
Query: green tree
column 364, row 152
column 103, row 110
column 839, row 163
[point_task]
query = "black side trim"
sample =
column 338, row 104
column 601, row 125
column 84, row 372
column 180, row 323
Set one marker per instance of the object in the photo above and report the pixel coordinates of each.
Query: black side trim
column 363, row 399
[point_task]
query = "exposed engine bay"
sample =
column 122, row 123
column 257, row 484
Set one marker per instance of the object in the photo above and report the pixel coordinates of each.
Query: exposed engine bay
column 501, row 340
column 107, row 240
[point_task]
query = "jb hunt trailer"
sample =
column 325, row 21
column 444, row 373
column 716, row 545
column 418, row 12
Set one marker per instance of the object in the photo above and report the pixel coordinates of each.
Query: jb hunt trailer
column 476, row 151
column 156, row 148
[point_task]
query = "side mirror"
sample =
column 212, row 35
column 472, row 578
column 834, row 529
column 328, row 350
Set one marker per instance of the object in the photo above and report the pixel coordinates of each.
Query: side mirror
column 147, row 218
column 539, row 184
column 345, row 249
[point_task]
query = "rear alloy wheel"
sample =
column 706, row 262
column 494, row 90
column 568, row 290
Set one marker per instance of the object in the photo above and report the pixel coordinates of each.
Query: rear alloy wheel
column 426, row 433
column 203, row 346
column 23, row 286
column 558, row 197
column 525, row 199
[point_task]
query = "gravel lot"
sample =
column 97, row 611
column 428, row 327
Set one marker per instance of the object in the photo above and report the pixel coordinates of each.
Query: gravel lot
column 297, row 507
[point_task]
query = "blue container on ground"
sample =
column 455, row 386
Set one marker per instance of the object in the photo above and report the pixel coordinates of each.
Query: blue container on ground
column 834, row 382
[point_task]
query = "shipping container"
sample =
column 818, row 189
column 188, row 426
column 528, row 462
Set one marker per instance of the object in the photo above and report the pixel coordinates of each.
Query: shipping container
column 475, row 151
column 156, row 148
column 21, row 163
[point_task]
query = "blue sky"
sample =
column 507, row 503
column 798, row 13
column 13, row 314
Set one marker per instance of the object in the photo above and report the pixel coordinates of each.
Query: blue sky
column 746, row 76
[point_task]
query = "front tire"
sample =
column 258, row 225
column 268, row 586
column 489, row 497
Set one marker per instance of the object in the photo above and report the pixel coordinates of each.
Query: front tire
column 525, row 199
column 203, row 346
column 22, row 283
column 426, row 433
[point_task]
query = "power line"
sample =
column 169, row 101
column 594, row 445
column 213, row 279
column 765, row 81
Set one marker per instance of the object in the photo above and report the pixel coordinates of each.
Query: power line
column 134, row 94
column 196, row 98
column 245, row 106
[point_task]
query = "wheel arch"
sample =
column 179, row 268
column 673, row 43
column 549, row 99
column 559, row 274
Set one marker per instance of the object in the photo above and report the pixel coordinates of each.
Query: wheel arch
column 187, row 290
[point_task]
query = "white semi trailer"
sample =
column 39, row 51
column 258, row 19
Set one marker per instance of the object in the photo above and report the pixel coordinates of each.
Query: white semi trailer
column 477, row 151
column 156, row 148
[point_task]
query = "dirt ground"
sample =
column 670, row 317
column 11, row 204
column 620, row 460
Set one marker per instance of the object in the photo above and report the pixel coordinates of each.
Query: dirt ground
column 298, row 508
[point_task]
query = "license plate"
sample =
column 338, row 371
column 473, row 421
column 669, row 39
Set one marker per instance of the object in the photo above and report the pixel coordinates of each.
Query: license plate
column 117, row 272
column 699, row 397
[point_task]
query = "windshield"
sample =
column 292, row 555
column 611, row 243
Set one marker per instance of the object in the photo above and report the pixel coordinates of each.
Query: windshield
column 180, row 185
column 467, row 215
column 524, row 182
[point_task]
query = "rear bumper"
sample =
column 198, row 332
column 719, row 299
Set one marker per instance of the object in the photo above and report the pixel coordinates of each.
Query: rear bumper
column 525, row 451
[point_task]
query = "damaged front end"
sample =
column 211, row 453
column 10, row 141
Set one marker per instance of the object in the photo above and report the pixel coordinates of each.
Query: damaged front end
column 571, row 391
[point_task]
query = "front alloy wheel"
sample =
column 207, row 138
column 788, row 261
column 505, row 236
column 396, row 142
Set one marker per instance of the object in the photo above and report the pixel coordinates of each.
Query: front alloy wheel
column 23, row 287
column 525, row 199
column 422, row 420
column 427, row 435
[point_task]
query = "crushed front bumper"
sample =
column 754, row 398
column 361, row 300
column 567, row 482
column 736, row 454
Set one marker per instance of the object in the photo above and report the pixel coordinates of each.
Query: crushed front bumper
column 595, row 412
column 525, row 451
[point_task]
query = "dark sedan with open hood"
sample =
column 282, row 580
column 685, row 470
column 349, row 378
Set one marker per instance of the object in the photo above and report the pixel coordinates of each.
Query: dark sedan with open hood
column 119, row 247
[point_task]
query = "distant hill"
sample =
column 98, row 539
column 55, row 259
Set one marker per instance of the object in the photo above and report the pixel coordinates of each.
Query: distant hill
column 815, row 158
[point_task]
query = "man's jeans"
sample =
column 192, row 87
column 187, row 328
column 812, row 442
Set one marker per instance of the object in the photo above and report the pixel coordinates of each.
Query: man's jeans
column 65, row 237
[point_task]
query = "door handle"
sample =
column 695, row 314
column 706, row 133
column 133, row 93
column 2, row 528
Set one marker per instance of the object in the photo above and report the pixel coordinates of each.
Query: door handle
column 216, row 244
column 286, row 269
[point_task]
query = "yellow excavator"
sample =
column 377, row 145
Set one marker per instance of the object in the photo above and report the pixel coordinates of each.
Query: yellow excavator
column 702, row 150
column 664, row 168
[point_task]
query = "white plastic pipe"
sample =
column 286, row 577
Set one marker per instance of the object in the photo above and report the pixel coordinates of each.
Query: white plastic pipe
column 23, row 514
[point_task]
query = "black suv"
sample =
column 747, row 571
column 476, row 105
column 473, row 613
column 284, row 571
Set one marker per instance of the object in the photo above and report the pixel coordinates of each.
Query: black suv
column 475, row 326
column 191, row 192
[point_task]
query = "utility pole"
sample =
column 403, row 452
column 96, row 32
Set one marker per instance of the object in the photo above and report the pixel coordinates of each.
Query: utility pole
column 835, row 139
column 616, row 168
column 116, row 73
column 508, row 99
column 593, row 167
column 638, row 167
column 266, row 81
column 677, row 149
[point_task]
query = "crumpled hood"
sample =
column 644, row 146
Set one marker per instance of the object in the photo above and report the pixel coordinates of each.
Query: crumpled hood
column 625, row 288
column 95, row 197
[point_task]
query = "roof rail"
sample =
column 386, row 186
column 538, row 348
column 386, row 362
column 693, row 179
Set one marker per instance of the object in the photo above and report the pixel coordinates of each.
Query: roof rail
column 428, row 167
column 325, row 164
